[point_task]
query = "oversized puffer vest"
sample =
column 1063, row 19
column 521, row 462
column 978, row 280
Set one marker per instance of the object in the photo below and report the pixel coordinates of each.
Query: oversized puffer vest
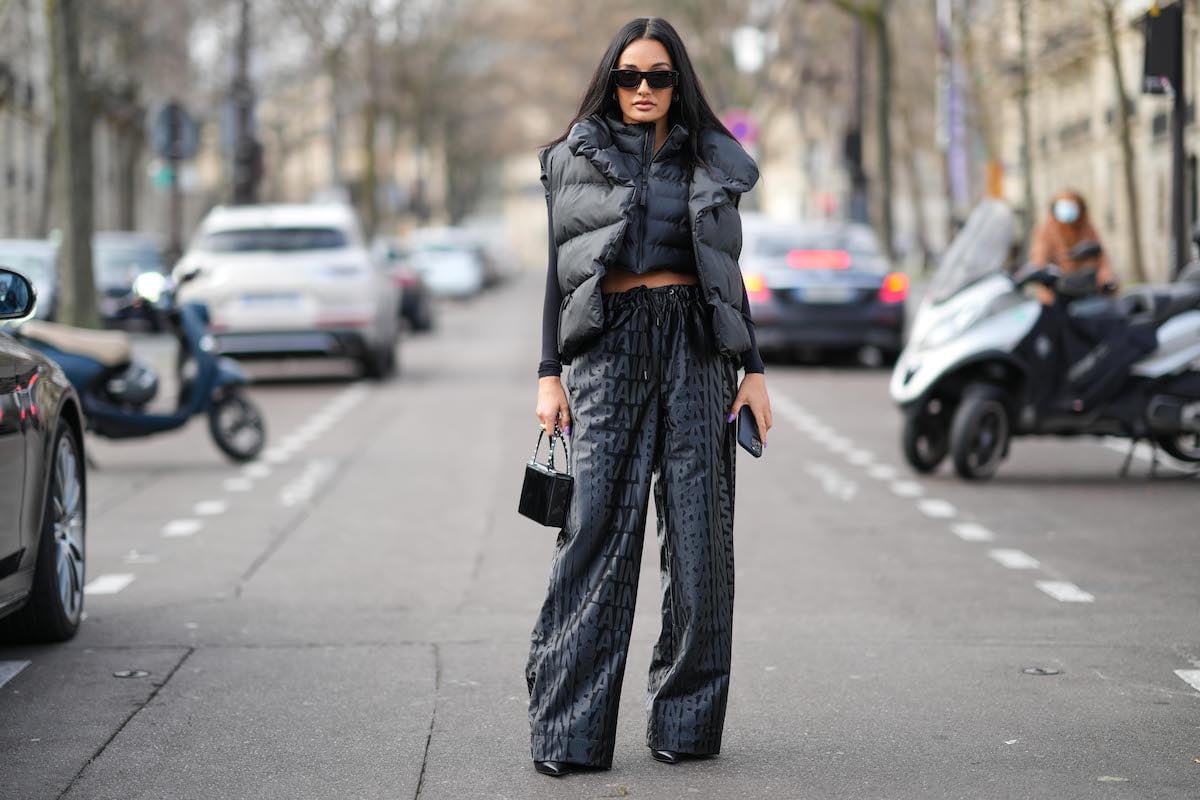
column 592, row 187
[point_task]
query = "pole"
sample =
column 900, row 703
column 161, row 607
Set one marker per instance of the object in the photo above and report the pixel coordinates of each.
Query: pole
column 858, row 176
column 245, row 183
column 175, row 209
column 1179, row 228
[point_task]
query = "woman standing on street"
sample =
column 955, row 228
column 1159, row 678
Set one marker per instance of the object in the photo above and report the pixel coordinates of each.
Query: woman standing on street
column 645, row 300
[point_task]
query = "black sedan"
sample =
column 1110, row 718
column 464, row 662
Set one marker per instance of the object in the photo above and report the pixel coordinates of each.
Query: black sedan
column 822, row 287
column 42, row 486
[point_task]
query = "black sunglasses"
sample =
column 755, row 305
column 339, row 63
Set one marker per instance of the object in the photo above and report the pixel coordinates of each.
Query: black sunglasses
column 658, row 78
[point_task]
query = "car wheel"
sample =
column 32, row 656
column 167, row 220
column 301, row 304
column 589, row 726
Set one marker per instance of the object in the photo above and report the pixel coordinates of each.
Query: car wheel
column 55, row 605
column 926, row 437
column 237, row 426
column 980, row 432
column 380, row 363
column 1183, row 446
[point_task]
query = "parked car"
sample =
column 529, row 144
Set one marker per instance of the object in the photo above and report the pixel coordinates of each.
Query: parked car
column 292, row 280
column 35, row 259
column 43, row 485
column 416, row 301
column 823, row 286
column 451, row 263
column 118, row 258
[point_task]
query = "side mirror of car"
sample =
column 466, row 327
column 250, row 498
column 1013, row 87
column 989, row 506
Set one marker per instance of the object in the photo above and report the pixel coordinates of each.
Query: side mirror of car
column 17, row 295
column 1086, row 251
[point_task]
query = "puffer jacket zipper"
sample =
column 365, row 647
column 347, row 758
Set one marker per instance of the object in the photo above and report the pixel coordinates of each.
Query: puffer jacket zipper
column 647, row 156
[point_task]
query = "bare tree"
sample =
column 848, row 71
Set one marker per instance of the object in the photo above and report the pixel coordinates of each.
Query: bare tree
column 73, row 166
column 1108, row 16
column 874, row 15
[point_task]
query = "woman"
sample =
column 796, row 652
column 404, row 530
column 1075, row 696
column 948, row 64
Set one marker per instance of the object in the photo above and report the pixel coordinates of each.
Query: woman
column 1065, row 226
column 645, row 299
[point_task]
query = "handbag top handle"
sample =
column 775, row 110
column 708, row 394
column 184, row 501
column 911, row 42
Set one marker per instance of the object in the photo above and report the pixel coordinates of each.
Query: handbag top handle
column 550, row 461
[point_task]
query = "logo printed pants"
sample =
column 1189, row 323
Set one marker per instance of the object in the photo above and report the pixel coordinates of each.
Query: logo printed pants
column 648, row 405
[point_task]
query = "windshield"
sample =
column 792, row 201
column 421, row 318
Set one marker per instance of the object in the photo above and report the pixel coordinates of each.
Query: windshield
column 114, row 262
column 814, row 247
column 981, row 248
column 276, row 240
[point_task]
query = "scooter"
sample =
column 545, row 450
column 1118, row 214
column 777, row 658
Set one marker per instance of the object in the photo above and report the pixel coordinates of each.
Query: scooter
column 116, row 388
column 985, row 362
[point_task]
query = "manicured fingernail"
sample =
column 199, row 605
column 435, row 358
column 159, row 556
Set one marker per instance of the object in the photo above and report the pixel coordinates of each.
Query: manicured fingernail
column 729, row 418
column 567, row 430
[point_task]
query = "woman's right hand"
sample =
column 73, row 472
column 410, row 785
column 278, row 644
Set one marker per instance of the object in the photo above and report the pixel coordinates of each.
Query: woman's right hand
column 552, row 405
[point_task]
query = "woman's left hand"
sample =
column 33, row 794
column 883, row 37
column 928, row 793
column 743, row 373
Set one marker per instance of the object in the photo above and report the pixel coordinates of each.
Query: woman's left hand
column 753, row 393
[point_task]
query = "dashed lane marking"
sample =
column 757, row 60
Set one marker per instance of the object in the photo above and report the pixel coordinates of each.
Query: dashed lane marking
column 938, row 509
column 907, row 489
column 1013, row 559
column 1190, row 676
column 179, row 528
column 10, row 670
column 1065, row 592
column 238, row 484
column 882, row 472
column 210, row 508
column 972, row 532
column 108, row 584
column 256, row 471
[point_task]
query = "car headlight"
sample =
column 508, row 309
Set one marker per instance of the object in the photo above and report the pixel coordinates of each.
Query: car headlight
column 149, row 286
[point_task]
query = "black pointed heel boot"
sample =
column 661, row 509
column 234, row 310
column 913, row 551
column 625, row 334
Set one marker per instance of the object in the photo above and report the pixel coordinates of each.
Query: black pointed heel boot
column 666, row 756
column 555, row 769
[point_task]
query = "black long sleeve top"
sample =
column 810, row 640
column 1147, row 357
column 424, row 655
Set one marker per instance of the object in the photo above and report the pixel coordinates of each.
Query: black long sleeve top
column 550, row 363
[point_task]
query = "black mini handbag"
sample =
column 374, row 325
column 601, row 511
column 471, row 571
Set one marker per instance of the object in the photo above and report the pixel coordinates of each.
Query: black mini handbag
column 546, row 493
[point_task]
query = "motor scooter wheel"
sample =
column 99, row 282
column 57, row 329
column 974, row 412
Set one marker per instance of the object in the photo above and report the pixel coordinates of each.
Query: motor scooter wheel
column 926, row 437
column 237, row 426
column 980, row 433
column 1183, row 446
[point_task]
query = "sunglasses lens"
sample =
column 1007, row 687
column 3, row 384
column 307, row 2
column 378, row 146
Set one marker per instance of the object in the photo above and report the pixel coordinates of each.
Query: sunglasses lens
column 626, row 78
column 660, row 80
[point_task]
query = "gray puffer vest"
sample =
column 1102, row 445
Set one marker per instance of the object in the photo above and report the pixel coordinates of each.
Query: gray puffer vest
column 592, row 187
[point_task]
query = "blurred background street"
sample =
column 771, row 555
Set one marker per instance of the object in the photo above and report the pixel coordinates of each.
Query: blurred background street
column 314, row 234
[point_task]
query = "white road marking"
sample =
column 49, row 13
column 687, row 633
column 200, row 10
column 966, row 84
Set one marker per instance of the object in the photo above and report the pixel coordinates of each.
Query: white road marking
column 1144, row 452
column 860, row 458
column 238, row 484
column 134, row 557
column 972, row 532
column 1191, row 676
column 907, row 489
column 210, row 508
column 1013, row 559
column 1065, row 592
column 833, row 483
column 882, row 472
column 277, row 457
column 938, row 509
column 178, row 528
column 108, row 584
column 10, row 670
column 256, row 471
column 302, row 488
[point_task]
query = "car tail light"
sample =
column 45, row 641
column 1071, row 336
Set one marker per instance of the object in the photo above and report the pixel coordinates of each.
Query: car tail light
column 756, row 286
column 818, row 259
column 894, row 288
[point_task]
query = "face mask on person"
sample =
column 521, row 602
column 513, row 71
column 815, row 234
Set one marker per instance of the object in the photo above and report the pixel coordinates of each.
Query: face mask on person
column 1066, row 211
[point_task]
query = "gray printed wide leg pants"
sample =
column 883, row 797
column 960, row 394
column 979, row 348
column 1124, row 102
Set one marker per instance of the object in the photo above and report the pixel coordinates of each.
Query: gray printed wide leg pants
column 649, row 398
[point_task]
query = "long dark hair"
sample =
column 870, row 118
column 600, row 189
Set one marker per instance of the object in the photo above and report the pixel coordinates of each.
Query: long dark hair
column 692, row 109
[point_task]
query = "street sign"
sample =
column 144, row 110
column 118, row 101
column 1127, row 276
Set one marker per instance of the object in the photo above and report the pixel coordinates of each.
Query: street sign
column 1162, row 72
column 174, row 135
column 742, row 125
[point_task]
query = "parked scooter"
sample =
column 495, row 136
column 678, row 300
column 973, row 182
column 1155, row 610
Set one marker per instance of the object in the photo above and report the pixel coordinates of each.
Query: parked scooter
column 115, row 388
column 984, row 362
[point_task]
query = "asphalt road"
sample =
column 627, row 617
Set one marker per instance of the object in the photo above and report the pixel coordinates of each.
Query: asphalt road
column 350, row 617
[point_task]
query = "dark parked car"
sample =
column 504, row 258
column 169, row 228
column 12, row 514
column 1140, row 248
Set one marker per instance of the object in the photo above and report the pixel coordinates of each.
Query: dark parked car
column 42, row 486
column 822, row 286
column 416, row 301
column 118, row 258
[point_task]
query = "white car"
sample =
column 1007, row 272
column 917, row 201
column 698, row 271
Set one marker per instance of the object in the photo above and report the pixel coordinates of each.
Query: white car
column 292, row 280
column 451, row 263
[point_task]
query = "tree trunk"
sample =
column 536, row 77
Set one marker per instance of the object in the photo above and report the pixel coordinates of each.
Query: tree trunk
column 915, row 187
column 370, row 123
column 333, row 68
column 883, row 104
column 73, row 173
column 1026, row 126
column 1124, row 131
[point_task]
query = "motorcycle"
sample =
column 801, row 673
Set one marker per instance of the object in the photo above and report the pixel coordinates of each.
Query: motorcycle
column 115, row 388
column 985, row 362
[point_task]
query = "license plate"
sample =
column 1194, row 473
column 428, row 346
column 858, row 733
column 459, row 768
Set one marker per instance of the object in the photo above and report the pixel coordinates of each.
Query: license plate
column 825, row 294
